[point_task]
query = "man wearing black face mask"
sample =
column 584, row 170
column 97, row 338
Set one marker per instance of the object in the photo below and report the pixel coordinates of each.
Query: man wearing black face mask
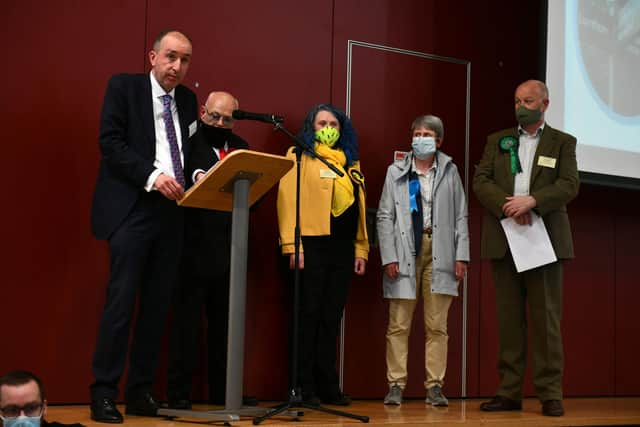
column 524, row 170
column 204, row 279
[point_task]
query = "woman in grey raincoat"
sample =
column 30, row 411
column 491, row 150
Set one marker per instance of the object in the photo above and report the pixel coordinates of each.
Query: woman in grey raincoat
column 424, row 246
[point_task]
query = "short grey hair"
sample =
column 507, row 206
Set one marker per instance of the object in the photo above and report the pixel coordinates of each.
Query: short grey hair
column 430, row 122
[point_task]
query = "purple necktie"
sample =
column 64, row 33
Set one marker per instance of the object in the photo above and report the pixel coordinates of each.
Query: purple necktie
column 173, row 140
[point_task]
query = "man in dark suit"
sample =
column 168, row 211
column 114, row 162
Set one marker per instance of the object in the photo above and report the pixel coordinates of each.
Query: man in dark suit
column 544, row 182
column 204, row 277
column 145, row 124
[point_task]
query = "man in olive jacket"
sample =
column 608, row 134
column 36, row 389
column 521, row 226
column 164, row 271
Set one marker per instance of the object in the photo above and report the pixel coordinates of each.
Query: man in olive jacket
column 526, row 170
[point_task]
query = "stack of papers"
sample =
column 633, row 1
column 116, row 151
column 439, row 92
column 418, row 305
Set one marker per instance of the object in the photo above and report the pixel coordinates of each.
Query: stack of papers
column 530, row 244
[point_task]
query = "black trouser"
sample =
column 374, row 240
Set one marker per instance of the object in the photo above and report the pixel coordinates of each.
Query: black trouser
column 328, row 267
column 145, row 252
column 193, row 294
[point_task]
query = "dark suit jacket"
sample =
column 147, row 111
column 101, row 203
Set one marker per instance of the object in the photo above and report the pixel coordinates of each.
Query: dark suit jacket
column 207, row 232
column 552, row 187
column 128, row 147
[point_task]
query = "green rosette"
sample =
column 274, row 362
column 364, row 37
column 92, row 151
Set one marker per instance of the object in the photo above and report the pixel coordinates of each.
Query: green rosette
column 509, row 144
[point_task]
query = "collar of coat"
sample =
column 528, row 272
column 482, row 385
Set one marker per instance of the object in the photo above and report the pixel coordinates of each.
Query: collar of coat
column 402, row 168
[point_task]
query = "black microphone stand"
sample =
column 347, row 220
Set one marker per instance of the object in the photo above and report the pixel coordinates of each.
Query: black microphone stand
column 295, row 394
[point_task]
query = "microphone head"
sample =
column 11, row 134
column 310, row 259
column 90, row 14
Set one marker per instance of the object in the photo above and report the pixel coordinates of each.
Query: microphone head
column 238, row 114
column 261, row 117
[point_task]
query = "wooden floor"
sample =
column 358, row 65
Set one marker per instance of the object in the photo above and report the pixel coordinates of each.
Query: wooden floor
column 579, row 412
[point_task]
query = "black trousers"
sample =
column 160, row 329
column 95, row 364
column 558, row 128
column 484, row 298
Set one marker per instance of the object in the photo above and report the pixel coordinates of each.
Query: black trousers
column 144, row 252
column 194, row 294
column 328, row 267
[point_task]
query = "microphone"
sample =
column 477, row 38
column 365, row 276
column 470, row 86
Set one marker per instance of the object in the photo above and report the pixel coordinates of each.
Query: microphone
column 260, row 117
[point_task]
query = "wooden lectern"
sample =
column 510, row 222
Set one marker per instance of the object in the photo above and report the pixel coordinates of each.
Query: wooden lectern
column 234, row 184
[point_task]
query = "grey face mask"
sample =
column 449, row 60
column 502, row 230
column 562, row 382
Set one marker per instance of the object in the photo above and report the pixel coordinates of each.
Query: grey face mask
column 526, row 117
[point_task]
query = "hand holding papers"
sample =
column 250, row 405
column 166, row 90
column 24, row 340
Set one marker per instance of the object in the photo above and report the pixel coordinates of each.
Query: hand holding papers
column 530, row 245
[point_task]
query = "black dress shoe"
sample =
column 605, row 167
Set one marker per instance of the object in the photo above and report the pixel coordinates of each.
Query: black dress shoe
column 144, row 405
column 501, row 403
column 339, row 399
column 104, row 411
column 180, row 404
column 552, row 408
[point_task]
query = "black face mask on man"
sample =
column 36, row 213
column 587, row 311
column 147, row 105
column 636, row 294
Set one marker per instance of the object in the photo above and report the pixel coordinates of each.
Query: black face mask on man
column 215, row 136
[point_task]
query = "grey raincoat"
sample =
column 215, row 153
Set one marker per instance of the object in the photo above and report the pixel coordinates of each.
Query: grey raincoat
column 449, row 222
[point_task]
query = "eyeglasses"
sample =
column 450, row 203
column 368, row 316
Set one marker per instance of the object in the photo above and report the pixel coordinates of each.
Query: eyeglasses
column 215, row 116
column 30, row 410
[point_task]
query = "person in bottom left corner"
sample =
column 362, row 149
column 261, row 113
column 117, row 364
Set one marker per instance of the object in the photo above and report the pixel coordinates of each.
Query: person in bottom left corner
column 23, row 401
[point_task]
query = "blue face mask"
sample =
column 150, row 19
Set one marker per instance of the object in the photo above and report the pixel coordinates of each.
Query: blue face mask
column 423, row 146
column 21, row 421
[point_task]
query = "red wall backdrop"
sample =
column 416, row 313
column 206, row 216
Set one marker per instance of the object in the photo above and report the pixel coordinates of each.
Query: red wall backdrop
column 283, row 57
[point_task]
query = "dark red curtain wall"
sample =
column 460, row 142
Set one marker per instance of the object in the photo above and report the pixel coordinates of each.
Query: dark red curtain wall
column 283, row 57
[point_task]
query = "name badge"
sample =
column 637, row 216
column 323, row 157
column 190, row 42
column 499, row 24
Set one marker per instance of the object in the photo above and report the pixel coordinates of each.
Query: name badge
column 327, row 173
column 547, row 162
column 192, row 128
column 399, row 156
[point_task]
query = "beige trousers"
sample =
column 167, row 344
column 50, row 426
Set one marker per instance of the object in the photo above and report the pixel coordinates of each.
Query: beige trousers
column 436, row 310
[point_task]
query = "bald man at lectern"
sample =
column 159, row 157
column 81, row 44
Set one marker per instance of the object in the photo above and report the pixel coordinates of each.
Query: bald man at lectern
column 205, row 267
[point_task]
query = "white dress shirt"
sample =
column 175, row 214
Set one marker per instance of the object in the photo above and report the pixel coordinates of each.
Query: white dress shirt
column 163, row 162
column 426, row 190
column 526, row 152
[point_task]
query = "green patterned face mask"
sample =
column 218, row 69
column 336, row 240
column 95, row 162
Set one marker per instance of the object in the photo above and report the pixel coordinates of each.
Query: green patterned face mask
column 328, row 136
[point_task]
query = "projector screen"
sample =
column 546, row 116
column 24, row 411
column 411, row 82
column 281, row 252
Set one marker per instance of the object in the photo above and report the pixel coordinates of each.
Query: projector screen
column 593, row 74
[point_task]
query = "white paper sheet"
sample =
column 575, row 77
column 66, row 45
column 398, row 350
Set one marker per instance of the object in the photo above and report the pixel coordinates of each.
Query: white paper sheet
column 530, row 244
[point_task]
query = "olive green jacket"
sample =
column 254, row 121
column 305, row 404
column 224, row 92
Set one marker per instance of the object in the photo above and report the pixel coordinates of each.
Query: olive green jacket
column 552, row 187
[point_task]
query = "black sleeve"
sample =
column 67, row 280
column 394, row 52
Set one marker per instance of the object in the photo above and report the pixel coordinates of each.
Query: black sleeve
column 201, row 156
column 117, row 131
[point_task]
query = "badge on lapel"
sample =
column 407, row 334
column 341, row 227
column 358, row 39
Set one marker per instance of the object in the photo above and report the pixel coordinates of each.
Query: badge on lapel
column 509, row 144
column 192, row 128
column 356, row 176
column 547, row 162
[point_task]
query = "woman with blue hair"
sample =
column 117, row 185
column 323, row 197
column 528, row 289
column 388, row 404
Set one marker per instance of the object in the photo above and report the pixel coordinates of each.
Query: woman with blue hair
column 334, row 244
